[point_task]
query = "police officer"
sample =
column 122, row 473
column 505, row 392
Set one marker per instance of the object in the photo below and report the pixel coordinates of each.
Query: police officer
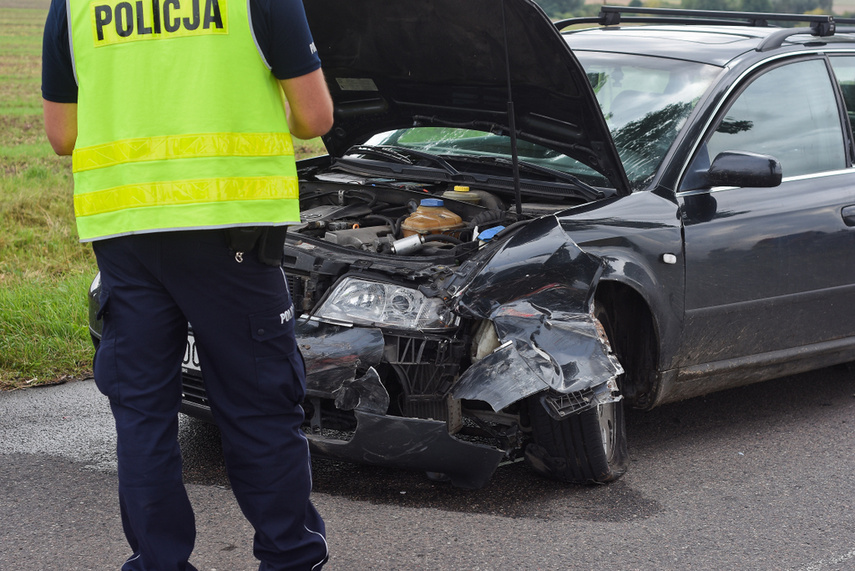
column 183, row 169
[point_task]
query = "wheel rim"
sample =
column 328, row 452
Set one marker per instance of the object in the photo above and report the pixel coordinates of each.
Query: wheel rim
column 608, row 425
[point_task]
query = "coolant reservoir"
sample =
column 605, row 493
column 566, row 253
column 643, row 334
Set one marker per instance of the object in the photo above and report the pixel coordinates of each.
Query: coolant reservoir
column 432, row 217
column 463, row 194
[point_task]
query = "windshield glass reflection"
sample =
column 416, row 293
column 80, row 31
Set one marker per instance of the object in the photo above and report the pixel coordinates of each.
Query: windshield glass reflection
column 645, row 102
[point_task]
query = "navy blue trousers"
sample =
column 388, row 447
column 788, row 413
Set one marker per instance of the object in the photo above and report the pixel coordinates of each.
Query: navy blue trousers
column 242, row 318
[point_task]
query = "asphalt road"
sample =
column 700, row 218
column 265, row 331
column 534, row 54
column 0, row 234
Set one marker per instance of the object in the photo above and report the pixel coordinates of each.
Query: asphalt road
column 753, row 478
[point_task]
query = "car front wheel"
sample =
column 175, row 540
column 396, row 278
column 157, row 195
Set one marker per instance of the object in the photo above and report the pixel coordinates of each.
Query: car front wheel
column 585, row 448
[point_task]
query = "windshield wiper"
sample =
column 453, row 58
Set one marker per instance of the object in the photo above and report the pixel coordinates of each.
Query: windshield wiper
column 586, row 190
column 382, row 152
column 401, row 155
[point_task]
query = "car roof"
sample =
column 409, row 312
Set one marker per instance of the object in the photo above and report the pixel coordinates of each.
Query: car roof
column 715, row 45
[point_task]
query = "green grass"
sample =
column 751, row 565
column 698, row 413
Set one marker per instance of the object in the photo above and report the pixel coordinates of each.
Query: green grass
column 44, row 271
column 43, row 334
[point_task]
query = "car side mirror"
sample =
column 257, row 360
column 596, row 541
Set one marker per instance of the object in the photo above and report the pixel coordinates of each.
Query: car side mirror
column 741, row 168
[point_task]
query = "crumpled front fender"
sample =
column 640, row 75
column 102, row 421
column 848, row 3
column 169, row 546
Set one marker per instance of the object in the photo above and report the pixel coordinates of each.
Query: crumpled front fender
column 537, row 290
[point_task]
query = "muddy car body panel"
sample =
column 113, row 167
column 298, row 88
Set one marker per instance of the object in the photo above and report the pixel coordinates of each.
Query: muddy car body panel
column 639, row 240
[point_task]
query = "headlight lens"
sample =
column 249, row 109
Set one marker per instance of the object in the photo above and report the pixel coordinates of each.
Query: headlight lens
column 374, row 303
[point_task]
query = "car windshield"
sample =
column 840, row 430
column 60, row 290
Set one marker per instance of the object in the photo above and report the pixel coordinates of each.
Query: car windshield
column 645, row 101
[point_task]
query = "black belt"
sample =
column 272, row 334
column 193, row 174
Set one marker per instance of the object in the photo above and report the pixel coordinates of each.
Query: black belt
column 267, row 241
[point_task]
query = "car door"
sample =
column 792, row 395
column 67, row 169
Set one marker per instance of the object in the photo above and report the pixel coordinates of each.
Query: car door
column 771, row 271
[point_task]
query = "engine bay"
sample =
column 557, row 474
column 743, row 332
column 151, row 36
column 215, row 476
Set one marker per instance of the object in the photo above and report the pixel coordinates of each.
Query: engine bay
column 395, row 218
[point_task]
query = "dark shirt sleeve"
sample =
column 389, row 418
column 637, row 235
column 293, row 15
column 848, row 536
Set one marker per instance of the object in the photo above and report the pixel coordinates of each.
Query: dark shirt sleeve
column 284, row 38
column 58, row 82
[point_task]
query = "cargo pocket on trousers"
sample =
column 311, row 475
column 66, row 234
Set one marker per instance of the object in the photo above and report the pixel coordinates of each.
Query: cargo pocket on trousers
column 278, row 367
column 104, row 366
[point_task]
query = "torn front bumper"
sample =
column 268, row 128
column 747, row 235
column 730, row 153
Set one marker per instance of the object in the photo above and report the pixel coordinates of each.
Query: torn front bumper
column 412, row 444
column 333, row 355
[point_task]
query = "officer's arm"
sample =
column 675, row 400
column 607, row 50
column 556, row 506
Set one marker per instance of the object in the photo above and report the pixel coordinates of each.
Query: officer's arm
column 311, row 107
column 60, row 125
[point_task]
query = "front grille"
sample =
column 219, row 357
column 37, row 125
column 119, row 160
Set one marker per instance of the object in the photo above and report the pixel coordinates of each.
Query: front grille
column 427, row 366
column 193, row 390
column 437, row 409
column 296, row 287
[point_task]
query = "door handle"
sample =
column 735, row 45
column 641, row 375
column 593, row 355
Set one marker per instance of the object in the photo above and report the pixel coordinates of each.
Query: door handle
column 848, row 214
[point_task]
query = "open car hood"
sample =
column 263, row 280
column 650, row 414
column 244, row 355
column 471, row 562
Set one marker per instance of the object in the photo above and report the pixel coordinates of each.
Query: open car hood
column 406, row 63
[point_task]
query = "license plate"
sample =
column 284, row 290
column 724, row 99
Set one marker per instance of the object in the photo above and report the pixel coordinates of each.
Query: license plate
column 191, row 356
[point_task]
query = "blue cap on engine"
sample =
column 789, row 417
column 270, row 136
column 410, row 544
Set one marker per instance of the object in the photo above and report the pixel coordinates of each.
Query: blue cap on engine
column 489, row 233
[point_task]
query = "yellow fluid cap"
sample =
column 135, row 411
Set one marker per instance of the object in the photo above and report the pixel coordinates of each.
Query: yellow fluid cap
column 460, row 188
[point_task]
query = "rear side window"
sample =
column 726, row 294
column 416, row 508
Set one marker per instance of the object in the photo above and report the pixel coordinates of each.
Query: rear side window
column 844, row 69
column 790, row 113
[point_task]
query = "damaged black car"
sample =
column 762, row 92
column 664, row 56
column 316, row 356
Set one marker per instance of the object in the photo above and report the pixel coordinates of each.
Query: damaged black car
column 519, row 232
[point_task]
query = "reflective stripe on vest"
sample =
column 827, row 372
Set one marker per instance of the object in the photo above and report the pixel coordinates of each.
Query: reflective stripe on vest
column 185, row 130
column 183, row 146
column 184, row 192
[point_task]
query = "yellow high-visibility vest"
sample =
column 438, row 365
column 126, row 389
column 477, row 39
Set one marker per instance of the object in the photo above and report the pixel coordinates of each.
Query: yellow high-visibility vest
column 181, row 125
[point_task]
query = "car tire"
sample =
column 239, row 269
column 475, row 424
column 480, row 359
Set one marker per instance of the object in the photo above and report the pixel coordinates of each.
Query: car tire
column 585, row 448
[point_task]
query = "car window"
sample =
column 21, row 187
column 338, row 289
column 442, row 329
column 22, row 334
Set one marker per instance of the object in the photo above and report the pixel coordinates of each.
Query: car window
column 844, row 69
column 790, row 113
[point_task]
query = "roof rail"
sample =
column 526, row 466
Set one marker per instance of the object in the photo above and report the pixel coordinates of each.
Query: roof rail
column 776, row 39
column 820, row 25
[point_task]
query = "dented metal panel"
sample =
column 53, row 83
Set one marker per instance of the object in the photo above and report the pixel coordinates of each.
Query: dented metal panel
column 540, row 262
column 566, row 355
column 537, row 291
column 366, row 394
column 334, row 353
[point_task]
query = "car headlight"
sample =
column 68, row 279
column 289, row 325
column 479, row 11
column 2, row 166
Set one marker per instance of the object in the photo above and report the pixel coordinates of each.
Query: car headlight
column 96, row 283
column 366, row 302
